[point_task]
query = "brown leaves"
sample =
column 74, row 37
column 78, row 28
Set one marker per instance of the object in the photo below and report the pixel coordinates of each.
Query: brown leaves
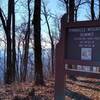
column 86, row 87
column 83, row 88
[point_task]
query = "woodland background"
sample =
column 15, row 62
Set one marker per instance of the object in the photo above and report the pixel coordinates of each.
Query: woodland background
column 29, row 32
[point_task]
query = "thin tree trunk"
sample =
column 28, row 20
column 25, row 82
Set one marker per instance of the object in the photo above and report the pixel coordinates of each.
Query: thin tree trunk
column 99, row 9
column 51, row 38
column 18, row 61
column 75, row 15
column 26, row 49
column 92, row 10
column 5, row 61
column 13, row 41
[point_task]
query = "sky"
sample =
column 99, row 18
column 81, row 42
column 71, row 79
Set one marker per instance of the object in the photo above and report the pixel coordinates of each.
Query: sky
column 56, row 7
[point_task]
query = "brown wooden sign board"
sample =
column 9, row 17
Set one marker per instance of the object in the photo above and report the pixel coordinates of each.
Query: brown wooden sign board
column 82, row 43
column 79, row 45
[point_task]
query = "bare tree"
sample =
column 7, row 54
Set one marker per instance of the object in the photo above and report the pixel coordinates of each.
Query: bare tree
column 26, row 46
column 9, row 27
column 37, row 43
column 13, row 59
column 46, row 15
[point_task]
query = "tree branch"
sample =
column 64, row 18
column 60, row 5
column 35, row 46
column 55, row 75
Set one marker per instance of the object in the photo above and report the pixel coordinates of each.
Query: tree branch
column 3, row 21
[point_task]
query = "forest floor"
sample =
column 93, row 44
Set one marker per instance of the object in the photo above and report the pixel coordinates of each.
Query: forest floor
column 82, row 89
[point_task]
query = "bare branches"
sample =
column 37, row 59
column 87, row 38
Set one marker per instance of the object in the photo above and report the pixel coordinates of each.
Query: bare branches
column 3, row 20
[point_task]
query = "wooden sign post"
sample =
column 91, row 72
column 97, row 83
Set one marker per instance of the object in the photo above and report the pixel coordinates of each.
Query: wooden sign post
column 79, row 45
column 59, row 68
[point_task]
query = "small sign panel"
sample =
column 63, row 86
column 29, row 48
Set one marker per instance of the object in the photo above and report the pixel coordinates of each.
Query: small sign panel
column 86, row 54
column 83, row 44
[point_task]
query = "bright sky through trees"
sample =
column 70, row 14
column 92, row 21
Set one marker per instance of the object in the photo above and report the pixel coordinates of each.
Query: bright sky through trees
column 54, row 6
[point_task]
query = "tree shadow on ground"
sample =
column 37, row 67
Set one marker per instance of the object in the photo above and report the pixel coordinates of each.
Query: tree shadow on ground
column 75, row 95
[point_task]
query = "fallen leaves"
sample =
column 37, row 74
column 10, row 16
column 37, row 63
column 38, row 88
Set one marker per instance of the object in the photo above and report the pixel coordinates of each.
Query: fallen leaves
column 83, row 88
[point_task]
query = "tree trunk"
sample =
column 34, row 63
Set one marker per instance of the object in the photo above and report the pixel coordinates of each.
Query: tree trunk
column 8, row 74
column 75, row 15
column 52, row 54
column 67, row 9
column 51, row 38
column 26, row 49
column 37, row 43
column 99, row 10
column 92, row 10
column 13, row 41
column 10, row 70
column 71, row 10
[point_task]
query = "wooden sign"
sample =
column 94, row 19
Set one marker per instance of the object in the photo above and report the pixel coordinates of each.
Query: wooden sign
column 82, row 43
column 79, row 44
